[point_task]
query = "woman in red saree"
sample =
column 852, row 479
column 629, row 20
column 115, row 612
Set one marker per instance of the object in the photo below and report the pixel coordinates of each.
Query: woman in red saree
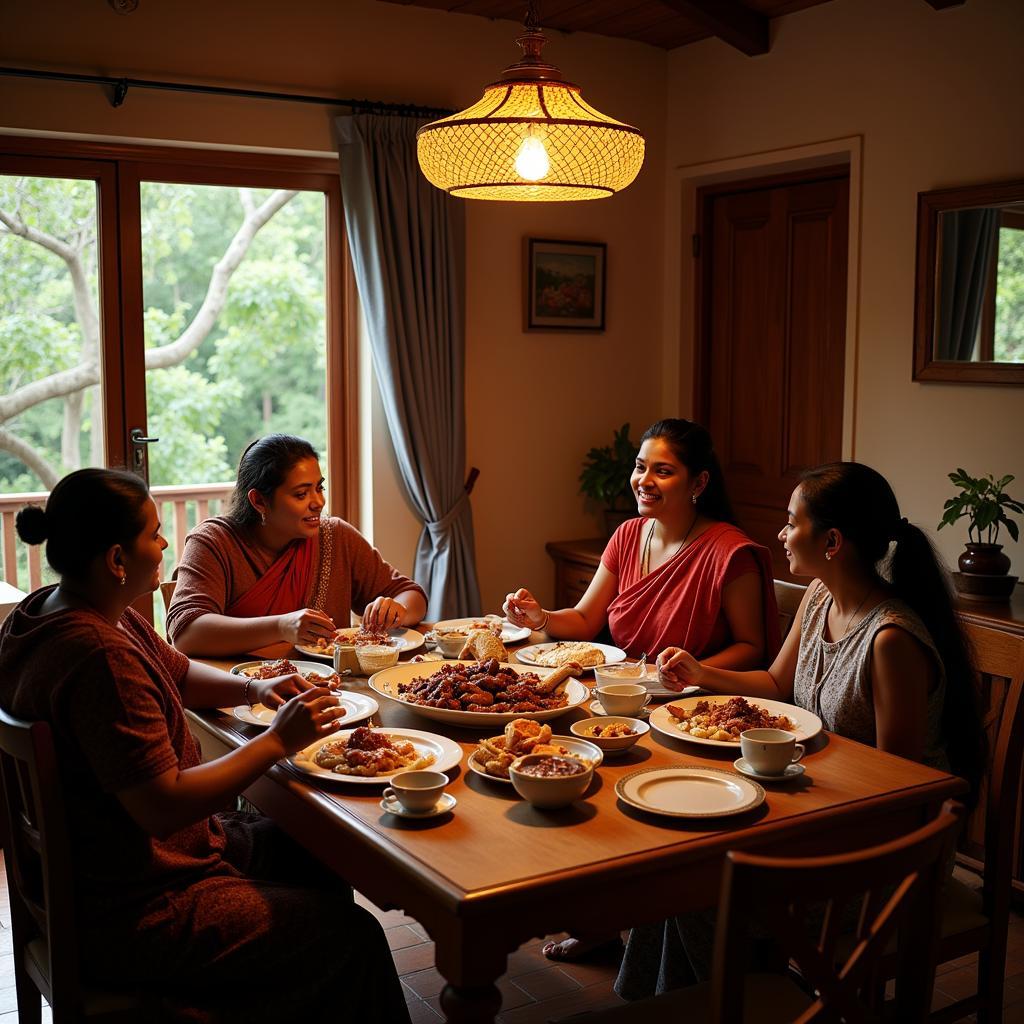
column 274, row 571
column 681, row 569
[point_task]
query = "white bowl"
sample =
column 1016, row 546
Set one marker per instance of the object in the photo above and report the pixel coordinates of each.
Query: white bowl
column 450, row 644
column 374, row 658
column 605, row 674
column 610, row 744
column 557, row 791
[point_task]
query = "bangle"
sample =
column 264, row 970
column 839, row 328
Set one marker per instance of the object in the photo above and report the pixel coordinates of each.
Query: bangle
column 543, row 622
column 245, row 690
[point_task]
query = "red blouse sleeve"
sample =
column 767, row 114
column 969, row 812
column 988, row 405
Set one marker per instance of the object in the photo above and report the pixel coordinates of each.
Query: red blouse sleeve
column 742, row 563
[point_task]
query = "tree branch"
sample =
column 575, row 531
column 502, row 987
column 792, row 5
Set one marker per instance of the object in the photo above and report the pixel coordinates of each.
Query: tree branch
column 30, row 457
column 57, row 385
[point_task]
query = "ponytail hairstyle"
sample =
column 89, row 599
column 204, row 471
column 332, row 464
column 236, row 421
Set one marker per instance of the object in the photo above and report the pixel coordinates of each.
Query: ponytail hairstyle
column 691, row 445
column 263, row 467
column 86, row 514
column 858, row 502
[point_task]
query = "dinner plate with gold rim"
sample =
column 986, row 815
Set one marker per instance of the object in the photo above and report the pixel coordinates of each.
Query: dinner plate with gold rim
column 447, row 754
column 358, row 707
column 689, row 792
column 386, row 684
column 403, row 639
column 805, row 724
column 528, row 655
column 581, row 748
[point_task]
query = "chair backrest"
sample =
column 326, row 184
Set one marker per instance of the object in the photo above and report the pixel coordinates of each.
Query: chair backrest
column 894, row 887
column 38, row 856
column 999, row 659
column 167, row 592
column 788, row 597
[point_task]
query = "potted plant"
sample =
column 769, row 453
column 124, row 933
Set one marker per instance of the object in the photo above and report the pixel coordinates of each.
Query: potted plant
column 605, row 478
column 984, row 569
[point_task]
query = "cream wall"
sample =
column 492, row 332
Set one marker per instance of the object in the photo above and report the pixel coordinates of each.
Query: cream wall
column 934, row 98
column 535, row 402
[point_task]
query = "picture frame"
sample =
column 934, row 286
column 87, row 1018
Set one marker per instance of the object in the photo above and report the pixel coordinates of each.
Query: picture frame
column 565, row 285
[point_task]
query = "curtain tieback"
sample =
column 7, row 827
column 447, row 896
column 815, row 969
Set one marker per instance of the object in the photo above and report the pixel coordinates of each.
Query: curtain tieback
column 439, row 527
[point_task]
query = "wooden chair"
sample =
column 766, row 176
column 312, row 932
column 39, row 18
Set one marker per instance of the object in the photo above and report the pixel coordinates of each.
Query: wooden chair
column 167, row 592
column 788, row 597
column 976, row 920
column 38, row 861
column 896, row 886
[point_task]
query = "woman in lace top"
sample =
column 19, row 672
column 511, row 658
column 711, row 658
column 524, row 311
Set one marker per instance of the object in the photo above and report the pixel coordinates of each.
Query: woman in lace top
column 879, row 654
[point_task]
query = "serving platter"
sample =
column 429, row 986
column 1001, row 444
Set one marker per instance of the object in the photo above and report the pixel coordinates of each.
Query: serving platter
column 807, row 725
column 403, row 639
column 528, row 655
column 447, row 755
column 689, row 792
column 582, row 748
column 358, row 707
column 510, row 633
column 386, row 682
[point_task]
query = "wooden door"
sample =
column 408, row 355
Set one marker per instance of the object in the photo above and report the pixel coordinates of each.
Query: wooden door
column 773, row 315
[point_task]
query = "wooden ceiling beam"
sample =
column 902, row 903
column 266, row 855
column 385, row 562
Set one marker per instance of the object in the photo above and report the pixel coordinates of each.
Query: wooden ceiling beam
column 730, row 21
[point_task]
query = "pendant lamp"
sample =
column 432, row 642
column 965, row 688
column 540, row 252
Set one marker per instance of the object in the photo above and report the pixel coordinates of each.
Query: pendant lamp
column 531, row 137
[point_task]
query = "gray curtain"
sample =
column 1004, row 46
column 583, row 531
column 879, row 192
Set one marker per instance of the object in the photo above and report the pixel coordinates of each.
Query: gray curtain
column 969, row 239
column 409, row 253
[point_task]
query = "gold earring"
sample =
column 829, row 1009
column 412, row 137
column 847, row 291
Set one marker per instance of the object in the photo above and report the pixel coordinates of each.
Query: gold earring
column 124, row 579
column 263, row 519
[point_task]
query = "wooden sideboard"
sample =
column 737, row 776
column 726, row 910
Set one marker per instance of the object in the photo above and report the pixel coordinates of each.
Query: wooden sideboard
column 576, row 561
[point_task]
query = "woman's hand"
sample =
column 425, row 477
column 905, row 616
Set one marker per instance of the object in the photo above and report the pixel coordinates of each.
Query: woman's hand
column 678, row 668
column 305, row 626
column 383, row 613
column 306, row 718
column 272, row 693
column 522, row 609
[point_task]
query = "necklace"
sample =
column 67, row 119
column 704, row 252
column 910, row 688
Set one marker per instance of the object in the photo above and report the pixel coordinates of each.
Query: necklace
column 818, row 686
column 850, row 621
column 645, row 558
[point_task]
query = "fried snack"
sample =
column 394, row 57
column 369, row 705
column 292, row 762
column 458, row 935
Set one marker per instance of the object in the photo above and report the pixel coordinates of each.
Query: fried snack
column 725, row 721
column 557, row 681
column 483, row 645
column 486, row 686
column 523, row 736
column 610, row 730
column 368, row 753
column 273, row 669
column 583, row 654
column 361, row 636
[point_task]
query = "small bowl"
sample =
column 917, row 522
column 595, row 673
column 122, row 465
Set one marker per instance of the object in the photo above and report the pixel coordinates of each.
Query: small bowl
column 450, row 643
column 606, row 674
column 374, row 657
column 611, row 745
column 548, row 793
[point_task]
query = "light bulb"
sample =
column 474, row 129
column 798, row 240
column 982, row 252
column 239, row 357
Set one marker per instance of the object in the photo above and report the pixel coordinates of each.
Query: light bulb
column 532, row 161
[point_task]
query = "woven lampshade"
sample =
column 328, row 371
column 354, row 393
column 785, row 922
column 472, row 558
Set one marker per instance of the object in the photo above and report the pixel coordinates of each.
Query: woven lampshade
column 531, row 137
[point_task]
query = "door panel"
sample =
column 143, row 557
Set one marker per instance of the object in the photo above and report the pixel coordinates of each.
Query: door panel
column 774, row 341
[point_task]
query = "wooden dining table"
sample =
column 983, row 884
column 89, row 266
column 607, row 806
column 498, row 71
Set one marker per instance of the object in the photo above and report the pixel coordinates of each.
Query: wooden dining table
column 496, row 871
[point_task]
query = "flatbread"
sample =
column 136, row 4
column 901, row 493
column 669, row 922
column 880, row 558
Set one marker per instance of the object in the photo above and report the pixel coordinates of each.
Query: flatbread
column 584, row 654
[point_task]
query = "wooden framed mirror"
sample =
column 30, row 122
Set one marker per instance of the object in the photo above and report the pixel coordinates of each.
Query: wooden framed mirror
column 969, row 299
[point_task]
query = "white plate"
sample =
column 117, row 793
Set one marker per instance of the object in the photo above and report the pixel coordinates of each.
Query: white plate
column 659, row 692
column 443, row 806
column 386, row 682
column 584, row 748
column 303, row 667
column 597, row 708
column 744, row 768
column 528, row 655
column 403, row 639
column 358, row 706
column 447, row 754
column 510, row 633
column 807, row 725
column 689, row 792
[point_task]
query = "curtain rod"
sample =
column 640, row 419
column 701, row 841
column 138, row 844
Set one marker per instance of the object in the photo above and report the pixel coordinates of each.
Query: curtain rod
column 121, row 86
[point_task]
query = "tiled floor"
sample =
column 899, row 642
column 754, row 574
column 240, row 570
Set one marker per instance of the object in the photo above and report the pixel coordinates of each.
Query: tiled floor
column 535, row 990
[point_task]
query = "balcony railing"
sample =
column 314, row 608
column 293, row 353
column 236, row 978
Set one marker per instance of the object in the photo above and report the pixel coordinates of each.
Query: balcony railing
column 181, row 508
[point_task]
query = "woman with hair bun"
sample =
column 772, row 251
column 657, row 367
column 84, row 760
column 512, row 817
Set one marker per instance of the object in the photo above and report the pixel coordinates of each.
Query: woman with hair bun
column 173, row 895
column 274, row 571
column 876, row 651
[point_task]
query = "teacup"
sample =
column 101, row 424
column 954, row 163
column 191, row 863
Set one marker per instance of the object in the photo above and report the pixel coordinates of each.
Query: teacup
column 623, row 698
column 417, row 791
column 770, row 751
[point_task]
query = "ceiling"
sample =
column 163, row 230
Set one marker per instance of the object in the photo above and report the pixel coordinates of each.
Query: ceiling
column 743, row 24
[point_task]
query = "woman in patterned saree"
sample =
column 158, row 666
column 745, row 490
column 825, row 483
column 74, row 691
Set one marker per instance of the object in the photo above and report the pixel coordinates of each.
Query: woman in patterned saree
column 274, row 571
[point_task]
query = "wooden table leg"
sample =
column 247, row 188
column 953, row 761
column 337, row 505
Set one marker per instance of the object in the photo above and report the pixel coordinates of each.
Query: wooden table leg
column 470, row 1005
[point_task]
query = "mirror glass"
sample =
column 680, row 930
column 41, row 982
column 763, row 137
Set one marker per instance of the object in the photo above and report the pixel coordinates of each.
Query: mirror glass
column 979, row 285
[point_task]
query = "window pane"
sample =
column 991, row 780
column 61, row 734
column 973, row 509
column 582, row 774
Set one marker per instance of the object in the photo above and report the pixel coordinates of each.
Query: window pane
column 1009, row 326
column 50, row 423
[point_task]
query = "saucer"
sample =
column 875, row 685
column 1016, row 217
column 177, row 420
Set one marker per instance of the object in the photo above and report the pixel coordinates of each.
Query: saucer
column 443, row 806
column 597, row 708
column 791, row 772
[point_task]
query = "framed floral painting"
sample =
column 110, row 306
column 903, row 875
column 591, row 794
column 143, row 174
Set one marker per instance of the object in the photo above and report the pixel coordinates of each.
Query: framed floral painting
column 565, row 284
